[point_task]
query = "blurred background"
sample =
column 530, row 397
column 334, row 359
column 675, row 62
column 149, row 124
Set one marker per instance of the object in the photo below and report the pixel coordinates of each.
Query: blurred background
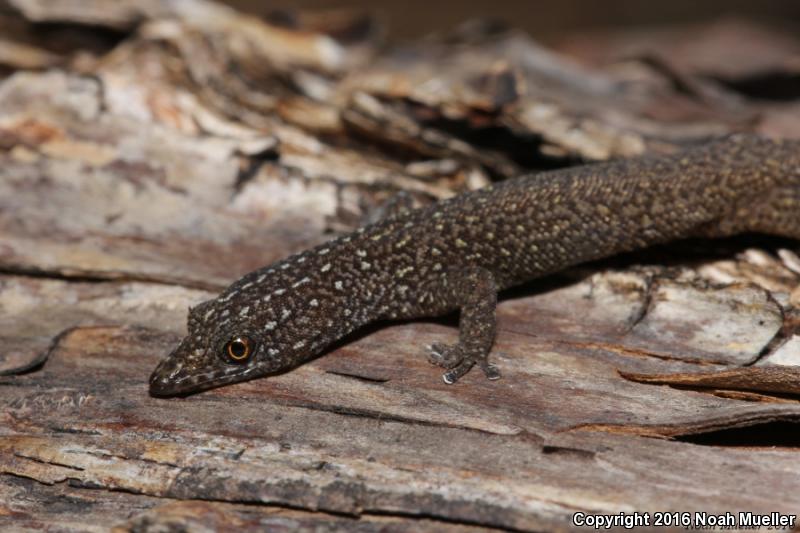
column 547, row 20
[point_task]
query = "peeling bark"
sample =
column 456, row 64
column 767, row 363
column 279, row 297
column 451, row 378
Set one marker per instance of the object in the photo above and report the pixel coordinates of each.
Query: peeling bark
column 148, row 163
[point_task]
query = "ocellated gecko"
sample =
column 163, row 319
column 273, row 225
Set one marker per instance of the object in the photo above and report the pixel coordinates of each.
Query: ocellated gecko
column 457, row 254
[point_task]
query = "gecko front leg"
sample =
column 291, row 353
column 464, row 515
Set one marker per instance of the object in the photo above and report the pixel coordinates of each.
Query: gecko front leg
column 474, row 292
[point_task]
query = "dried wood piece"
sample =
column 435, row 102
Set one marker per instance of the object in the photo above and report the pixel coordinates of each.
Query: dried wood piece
column 757, row 267
column 301, row 38
column 65, row 507
column 728, row 47
column 140, row 182
column 550, row 108
column 120, row 15
column 775, row 379
column 208, row 143
column 39, row 312
column 731, row 326
column 212, row 515
column 27, row 504
column 21, row 354
column 743, row 68
column 788, row 353
column 26, row 45
column 21, row 56
column 653, row 313
column 394, row 125
column 86, row 418
column 781, row 120
column 125, row 195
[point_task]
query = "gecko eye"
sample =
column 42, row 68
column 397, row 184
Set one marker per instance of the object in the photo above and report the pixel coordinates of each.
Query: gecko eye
column 239, row 349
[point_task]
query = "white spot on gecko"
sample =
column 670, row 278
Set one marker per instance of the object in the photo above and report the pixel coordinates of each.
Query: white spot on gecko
column 325, row 267
column 272, row 351
column 299, row 345
column 361, row 253
column 339, row 286
column 365, row 265
column 403, row 271
column 324, row 251
column 244, row 311
column 279, row 292
column 297, row 284
column 313, row 303
column 285, row 314
column 228, row 297
column 269, row 326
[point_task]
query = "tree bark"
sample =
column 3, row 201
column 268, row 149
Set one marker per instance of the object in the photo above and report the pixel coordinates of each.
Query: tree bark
column 153, row 152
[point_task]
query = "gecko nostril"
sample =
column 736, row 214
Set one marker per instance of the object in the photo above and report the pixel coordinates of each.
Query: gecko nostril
column 163, row 372
column 161, row 385
column 175, row 369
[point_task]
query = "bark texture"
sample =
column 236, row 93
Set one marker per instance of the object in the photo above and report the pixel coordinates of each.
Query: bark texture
column 152, row 152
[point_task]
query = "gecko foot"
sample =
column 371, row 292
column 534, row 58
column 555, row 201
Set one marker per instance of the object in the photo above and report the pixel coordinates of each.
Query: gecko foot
column 453, row 375
column 490, row 371
column 452, row 357
column 445, row 355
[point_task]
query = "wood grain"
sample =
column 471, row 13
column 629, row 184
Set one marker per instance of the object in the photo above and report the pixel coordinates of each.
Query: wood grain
column 140, row 174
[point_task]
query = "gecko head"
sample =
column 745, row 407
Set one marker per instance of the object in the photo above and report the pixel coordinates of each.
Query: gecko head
column 239, row 336
column 200, row 362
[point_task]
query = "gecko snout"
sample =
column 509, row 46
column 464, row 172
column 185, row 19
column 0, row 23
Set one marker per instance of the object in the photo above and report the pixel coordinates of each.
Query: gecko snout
column 162, row 380
column 159, row 383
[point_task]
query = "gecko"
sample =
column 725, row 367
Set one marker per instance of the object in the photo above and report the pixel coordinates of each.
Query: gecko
column 455, row 255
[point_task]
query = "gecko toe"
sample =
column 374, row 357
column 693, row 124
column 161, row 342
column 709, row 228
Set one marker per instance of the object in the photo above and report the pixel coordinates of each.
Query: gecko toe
column 454, row 374
column 444, row 355
column 490, row 371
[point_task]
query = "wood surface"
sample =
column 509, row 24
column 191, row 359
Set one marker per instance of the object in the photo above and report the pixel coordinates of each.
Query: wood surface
column 153, row 152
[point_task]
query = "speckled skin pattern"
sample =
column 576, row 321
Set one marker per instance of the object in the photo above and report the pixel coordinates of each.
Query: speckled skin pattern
column 456, row 255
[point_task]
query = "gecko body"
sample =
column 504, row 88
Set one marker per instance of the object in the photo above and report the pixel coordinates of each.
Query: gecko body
column 457, row 254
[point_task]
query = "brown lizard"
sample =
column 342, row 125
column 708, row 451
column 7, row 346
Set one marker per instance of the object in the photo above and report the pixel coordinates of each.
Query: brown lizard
column 457, row 254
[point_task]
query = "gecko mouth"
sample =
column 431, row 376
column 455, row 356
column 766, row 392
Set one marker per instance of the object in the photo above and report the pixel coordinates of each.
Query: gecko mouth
column 170, row 379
